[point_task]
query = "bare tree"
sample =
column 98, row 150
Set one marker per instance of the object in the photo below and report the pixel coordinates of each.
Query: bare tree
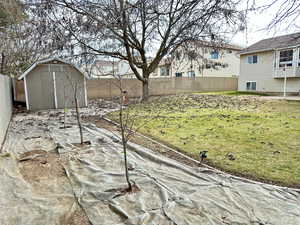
column 285, row 13
column 125, row 132
column 141, row 32
column 76, row 92
column 11, row 12
column 127, row 117
column 20, row 48
column 130, row 122
column 24, row 38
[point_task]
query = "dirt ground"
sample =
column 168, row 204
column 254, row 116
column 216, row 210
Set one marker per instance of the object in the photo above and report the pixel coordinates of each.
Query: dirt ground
column 40, row 168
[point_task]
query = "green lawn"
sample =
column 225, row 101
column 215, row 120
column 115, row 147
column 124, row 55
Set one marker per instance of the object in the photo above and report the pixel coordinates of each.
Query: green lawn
column 262, row 136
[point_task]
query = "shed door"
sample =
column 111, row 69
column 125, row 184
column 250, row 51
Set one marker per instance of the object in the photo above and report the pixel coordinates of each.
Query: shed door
column 40, row 89
column 67, row 79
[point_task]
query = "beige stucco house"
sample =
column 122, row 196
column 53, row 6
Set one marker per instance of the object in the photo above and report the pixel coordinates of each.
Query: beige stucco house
column 211, row 60
column 102, row 69
column 265, row 64
column 204, row 59
column 52, row 83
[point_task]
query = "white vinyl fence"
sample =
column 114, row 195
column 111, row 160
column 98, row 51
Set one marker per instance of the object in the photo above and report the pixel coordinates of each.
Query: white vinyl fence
column 5, row 105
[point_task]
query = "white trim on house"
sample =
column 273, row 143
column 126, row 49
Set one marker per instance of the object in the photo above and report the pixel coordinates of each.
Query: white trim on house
column 85, row 92
column 288, row 47
column 55, row 90
column 295, row 60
column 46, row 61
column 258, row 51
column 26, row 93
column 269, row 49
column 274, row 62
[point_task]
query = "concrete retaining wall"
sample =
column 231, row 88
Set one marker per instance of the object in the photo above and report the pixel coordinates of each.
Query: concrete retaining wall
column 5, row 106
column 107, row 88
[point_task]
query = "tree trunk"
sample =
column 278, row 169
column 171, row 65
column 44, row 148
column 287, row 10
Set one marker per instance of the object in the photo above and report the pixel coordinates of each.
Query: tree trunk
column 145, row 95
column 78, row 117
column 126, row 163
column 124, row 143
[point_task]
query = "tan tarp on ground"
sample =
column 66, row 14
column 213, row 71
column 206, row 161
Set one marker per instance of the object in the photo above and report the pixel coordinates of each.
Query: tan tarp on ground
column 171, row 193
column 20, row 202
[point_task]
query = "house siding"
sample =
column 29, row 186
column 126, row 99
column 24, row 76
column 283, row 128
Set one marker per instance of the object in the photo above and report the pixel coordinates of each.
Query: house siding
column 231, row 59
column 262, row 72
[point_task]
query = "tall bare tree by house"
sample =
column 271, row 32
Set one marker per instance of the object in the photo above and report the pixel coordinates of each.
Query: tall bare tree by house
column 141, row 32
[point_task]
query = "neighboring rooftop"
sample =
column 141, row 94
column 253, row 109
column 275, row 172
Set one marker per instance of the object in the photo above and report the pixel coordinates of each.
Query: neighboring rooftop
column 217, row 45
column 284, row 41
column 105, row 62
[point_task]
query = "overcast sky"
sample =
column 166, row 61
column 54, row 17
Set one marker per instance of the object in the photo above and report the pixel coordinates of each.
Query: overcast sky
column 257, row 22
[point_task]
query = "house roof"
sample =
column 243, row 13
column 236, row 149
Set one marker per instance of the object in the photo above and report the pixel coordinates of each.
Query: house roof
column 47, row 61
column 279, row 42
column 219, row 45
column 105, row 63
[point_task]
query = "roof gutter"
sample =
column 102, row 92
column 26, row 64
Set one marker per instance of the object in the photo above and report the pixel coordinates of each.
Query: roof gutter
column 258, row 51
column 295, row 46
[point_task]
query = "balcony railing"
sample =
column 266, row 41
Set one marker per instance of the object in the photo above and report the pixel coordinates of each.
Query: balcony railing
column 281, row 72
column 287, row 63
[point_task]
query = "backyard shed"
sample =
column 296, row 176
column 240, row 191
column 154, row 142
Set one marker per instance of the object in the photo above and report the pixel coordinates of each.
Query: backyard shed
column 52, row 84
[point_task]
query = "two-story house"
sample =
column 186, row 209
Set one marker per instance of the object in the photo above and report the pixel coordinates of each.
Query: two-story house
column 271, row 65
column 199, row 59
column 205, row 59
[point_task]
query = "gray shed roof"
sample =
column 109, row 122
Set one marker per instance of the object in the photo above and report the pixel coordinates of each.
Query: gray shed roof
column 47, row 61
column 285, row 41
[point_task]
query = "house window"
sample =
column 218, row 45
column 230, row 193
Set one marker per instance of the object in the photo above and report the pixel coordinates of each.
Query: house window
column 207, row 66
column 299, row 57
column 155, row 73
column 164, row 71
column 286, row 58
column 251, row 86
column 252, row 59
column 214, row 54
column 191, row 74
column 178, row 74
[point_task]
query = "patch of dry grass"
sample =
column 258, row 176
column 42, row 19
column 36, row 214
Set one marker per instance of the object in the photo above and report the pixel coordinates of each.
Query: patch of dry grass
column 248, row 136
